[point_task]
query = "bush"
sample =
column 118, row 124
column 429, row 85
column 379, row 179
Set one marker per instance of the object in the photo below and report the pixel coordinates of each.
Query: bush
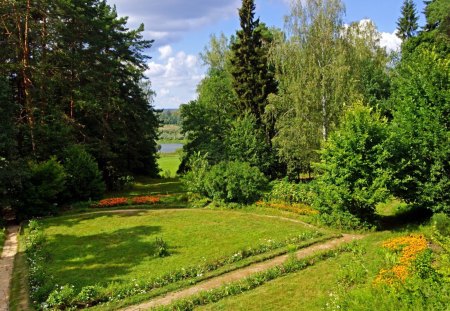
column 194, row 180
column 285, row 191
column 441, row 223
column 42, row 188
column 354, row 175
column 234, row 182
column 84, row 180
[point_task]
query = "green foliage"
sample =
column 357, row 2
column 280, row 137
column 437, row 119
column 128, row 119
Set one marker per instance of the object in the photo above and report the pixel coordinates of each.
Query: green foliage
column 234, row 182
column 285, row 191
column 39, row 282
column 354, row 178
column 170, row 116
column 60, row 298
column 42, row 188
column 420, row 134
column 162, row 249
column 314, row 69
column 441, row 223
column 245, row 142
column 194, row 180
column 84, row 180
column 407, row 24
column 76, row 77
column 253, row 80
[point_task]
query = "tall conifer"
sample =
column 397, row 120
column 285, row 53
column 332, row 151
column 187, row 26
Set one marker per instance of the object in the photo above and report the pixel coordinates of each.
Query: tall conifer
column 407, row 23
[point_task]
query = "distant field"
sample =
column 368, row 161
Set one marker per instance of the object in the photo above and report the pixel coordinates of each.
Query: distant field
column 101, row 248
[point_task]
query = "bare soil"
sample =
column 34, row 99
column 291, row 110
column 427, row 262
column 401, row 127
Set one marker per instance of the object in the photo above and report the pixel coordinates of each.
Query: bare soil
column 6, row 265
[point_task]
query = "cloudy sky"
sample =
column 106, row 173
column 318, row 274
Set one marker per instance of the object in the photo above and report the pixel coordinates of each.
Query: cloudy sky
column 181, row 30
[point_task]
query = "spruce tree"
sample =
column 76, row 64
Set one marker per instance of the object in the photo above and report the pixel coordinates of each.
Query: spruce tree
column 252, row 79
column 407, row 23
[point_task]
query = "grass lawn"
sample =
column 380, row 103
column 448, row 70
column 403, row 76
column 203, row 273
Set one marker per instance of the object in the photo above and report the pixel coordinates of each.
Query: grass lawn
column 310, row 289
column 101, row 248
column 169, row 163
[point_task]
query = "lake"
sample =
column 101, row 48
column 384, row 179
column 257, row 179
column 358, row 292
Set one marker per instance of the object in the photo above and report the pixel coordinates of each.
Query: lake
column 170, row 148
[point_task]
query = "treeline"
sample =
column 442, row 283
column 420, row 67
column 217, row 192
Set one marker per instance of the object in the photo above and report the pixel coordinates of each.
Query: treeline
column 75, row 106
column 325, row 98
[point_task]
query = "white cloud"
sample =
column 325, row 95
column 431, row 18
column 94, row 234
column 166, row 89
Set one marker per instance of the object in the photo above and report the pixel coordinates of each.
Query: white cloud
column 165, row 51
column 167, row 20
column 390, row 41
column 175, row 78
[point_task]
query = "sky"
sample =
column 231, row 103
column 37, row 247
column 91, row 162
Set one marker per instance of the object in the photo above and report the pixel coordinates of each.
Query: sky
column 182, row 28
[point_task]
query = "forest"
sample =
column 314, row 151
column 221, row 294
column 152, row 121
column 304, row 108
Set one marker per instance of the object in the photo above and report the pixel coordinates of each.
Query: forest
column 309, row 151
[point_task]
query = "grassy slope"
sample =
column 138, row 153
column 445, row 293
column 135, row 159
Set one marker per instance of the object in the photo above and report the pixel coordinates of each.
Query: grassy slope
column 309, row 289
column 90, row 249
column 169, row 162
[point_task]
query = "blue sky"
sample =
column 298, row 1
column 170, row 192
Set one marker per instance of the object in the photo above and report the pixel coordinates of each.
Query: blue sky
column 181, row 29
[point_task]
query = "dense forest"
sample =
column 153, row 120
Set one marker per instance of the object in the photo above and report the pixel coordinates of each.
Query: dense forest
column 323, row 99
column 75, row 106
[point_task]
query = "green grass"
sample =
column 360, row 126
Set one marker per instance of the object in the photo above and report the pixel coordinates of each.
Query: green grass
column 2, row 238
column 169, row 163
column 149, row 186
column 310, row 289
column 101, row 248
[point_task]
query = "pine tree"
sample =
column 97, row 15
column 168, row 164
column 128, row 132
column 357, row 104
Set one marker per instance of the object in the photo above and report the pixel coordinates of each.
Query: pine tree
column 252, row 79
column 407, row 23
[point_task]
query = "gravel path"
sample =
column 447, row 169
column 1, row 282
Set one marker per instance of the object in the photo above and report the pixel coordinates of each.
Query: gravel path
column 6, row 265
column 240, row 274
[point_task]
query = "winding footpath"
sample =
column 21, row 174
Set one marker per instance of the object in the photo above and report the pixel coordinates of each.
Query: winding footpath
column 240, row 274
column 6, row 265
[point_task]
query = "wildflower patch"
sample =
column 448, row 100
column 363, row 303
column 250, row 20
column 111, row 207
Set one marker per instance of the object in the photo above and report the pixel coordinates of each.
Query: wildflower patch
column 408, row 249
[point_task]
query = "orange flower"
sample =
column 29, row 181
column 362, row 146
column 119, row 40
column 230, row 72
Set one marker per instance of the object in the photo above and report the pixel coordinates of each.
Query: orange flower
column 112, row 202
column 298, row 208
column 145, row 200
column 409, row 247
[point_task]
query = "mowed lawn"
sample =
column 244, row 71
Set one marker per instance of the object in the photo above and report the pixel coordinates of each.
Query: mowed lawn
column 169, row 163
column 99, row 248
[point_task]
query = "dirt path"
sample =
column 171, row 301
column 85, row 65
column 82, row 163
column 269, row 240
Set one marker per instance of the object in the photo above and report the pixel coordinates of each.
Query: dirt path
column 240, row 274
column 6, row 265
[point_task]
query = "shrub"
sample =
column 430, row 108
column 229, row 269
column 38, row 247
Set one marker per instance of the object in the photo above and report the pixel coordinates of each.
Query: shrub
column 354, row 177
column 162, row 249
column 285, row 191
column 84, row 180
column 441, row 223
column 42, row 188
column 194, row 180
column 234, row 182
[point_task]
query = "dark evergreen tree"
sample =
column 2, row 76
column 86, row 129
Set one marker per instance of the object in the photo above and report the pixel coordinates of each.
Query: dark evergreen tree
column 407, row 24
column 253, row 81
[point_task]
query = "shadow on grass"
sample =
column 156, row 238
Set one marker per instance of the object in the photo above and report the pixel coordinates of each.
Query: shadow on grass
column 406, row 219
column 103, row 257
column 71, row 220
column 148, row 186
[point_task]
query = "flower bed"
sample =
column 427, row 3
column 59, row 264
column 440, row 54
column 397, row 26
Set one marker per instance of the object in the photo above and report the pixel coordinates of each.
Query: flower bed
column 121, row 201
column 408, row 248
column 145, row 200
column 297, row 208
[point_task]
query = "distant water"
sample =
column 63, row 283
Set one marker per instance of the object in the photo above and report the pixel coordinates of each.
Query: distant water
column 170, row 148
